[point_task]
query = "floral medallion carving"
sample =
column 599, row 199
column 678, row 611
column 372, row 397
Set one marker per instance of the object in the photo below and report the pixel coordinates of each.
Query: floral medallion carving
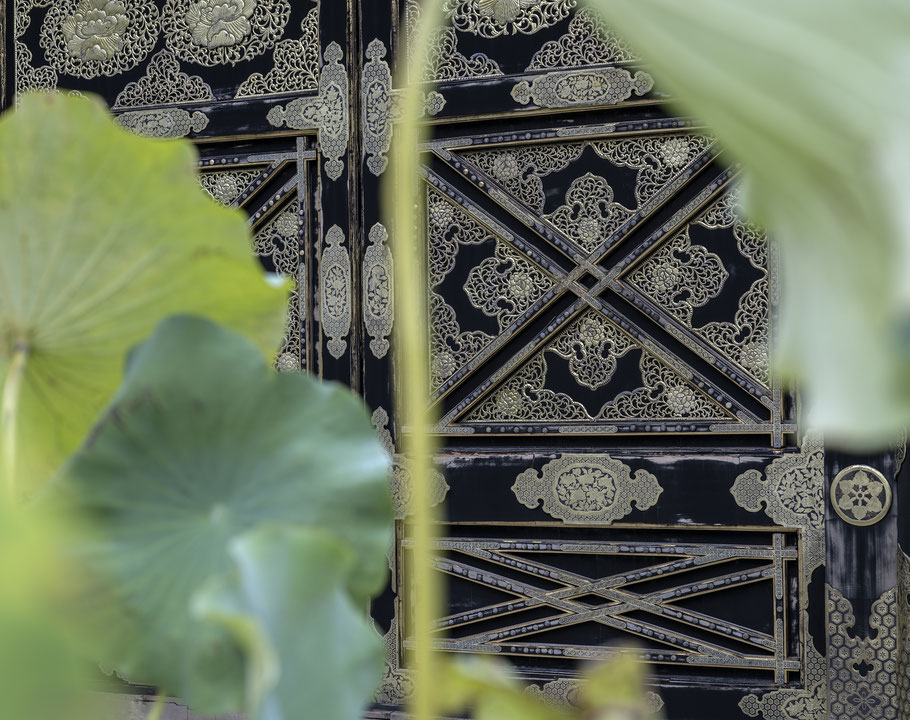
column 335, row 291
column 589, row 215
column 164, row 123
column 681, row 277
column 218, row 32
column 860, row 495
column 587, row 488
column 92, row 38
column 592, row 345
column 575, row 88
column 378, row 290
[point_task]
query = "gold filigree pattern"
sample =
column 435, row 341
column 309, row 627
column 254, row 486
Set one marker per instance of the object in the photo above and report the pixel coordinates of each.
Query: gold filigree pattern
column 589, row 215
column 92, row 38
column 506, row 285
column 225, row 187
column 163, row 84
column 492, row 18
column 164, row 123
column 335, row 291
column 681, row 277
column 296, row 64
column 860, row 495
column 378, row 290
column 278, row 241
column 792, row 493
column 587, row 489
column 588, row 41
column 578, row 88
column 444, row 61
column 28, row 78
column 218, row 32
column 657, row 158
column 449, row 228
column 664, row 394
column 592, row 348
column 861, row 670
column 520, row 170
column 326, row 113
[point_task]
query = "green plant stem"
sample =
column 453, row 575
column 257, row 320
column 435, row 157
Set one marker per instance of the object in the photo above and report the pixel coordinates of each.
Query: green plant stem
column 412, row 347
column 9, row 417
column 157, row 707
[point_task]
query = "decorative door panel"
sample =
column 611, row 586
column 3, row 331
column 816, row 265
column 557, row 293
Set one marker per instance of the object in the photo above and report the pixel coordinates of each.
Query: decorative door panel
column 619, row 468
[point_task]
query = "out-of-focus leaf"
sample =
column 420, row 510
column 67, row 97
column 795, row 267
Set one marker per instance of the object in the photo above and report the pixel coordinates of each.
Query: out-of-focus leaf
column 202, row 443
column 311, row 651
column 614, row 689
column 813, row 97
column 103, row 234
column 484, row 687
column 41, row 666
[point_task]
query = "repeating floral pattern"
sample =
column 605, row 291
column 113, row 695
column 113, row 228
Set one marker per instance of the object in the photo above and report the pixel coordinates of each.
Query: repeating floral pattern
column 93, row 38
column 492, row 18
column 214, row 32
column 592, row 344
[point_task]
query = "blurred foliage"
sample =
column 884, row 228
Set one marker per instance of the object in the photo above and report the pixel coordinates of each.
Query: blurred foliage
column 610, row 690
column 203, row 447
column 103, row 234
column 812, row 97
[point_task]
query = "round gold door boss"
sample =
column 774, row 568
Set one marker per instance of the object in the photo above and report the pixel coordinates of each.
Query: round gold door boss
column 860, row 495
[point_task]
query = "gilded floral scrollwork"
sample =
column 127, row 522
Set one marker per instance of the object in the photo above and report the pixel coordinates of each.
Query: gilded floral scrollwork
column 657, row 158
column 589, row 215
column 588, row 41
column 92, row 38
column 226, row 187
column 592, row 340
column 216, row 32
column 681, row 277
column 163, row 84
column 587, row 488
column 505, row 285
column 492, row 18
column 296, row 64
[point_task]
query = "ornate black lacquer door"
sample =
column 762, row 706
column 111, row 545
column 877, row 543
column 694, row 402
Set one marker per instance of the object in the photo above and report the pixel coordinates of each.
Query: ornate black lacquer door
column 618, row 465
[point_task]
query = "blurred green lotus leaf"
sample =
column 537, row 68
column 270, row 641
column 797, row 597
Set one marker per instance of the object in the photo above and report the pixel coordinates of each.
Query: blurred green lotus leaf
column 311, row 650
column 102, row 234
column 813, row 97
column 203, row 443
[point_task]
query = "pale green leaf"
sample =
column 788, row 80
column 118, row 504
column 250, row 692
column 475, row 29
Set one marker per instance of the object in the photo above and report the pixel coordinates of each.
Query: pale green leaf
column 202, row 443
column 102, row 234
column 311, row 651
column 812, row 97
